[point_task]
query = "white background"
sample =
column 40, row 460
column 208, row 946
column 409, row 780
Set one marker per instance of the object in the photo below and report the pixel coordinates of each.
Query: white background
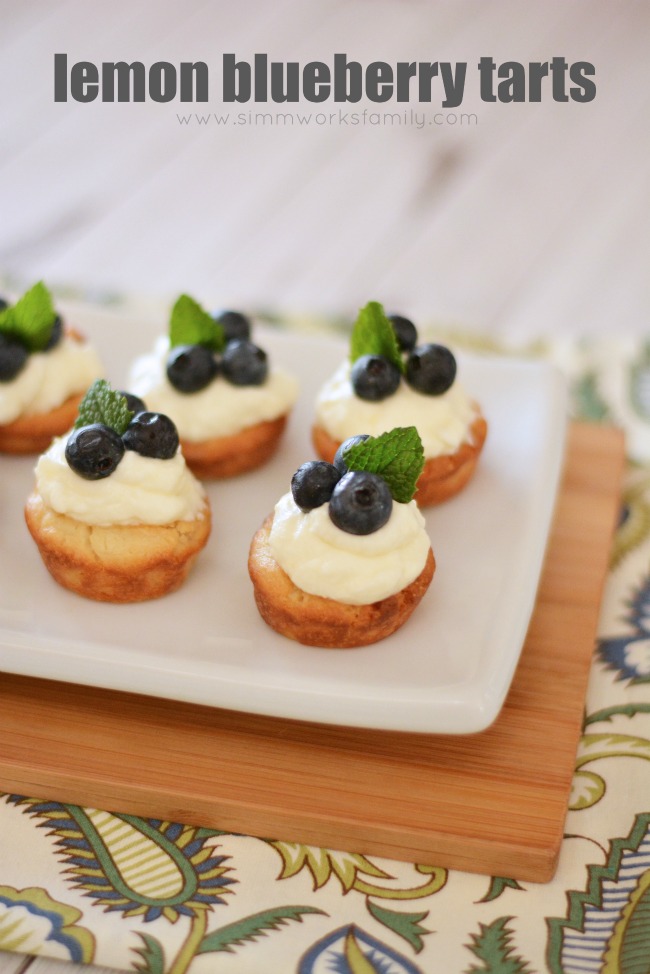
column 532, row 220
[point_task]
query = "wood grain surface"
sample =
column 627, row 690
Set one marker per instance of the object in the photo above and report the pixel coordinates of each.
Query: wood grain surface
column 491, row 803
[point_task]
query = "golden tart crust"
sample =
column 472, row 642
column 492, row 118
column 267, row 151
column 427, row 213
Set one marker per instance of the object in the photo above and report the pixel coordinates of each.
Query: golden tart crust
column 316, row 621
column 228, row 456
column 118, row 563
column 33, row 434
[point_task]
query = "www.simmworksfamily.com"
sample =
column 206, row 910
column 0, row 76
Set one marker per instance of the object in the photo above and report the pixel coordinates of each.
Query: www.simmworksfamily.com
column 408, row 118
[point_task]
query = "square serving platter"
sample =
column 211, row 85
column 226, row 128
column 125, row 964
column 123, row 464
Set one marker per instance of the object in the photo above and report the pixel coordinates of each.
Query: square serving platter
column 447, row 671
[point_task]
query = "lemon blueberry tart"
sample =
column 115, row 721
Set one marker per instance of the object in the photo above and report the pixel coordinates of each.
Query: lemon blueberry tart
column 45, row 368
column 229, row 404
column 345, row 558
column 116, row 514
column 390, row 380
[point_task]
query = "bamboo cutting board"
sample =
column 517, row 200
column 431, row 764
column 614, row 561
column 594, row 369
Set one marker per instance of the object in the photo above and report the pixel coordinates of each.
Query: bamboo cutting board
column 492, row 803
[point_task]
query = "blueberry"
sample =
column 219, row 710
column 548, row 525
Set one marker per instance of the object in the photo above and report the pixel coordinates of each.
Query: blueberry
column 361, row 502
column 312, row 484
column 374, row 378
column 56, row 334
column 235, row 325
column 431, row 369
column 339, row 456
column 405, row 332
column 13, row 357
column 152, row 435
column 94, row 451
column 244, row 364
column 191, row 368
column 133, row 403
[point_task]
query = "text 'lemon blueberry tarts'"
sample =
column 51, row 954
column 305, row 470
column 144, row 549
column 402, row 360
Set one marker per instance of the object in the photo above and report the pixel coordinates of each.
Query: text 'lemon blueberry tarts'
column 345, row 558
column 390, row 380
column 229, row 404
column 116, row 514
column 45, row 368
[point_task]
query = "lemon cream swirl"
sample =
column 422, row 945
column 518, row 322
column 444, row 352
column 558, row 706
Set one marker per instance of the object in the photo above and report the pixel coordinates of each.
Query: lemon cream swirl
column 48, row 379
column 141, row 490
column 221, row 409
column 443, row 422
column 321, row 559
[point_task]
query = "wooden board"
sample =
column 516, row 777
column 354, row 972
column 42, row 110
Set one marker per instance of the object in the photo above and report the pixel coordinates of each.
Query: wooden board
column 493, row 802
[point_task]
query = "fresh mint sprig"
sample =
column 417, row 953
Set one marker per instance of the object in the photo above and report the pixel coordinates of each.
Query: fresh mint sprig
column 101, row 404
column 397, row 456
column 31, row 319
column 189, row 324
column 373, row 334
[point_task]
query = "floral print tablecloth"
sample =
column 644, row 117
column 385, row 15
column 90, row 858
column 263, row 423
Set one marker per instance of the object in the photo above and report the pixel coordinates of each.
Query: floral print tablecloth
column 160, row 897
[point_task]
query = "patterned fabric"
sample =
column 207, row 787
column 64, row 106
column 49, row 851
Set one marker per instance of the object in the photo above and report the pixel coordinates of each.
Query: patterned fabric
column 162, row 898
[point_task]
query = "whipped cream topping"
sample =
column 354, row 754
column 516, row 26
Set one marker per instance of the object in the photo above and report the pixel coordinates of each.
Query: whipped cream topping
column 443, row 422
column 48, row 379
column 321, row 559
column 141, row 490
column 221, row 409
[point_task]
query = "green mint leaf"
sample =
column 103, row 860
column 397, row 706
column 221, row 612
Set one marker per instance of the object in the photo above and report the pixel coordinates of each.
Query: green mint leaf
column 101, row 404
column 397, row 456
column 7, row 326
column 373, row 335
column 31, row 318
column 191, row 325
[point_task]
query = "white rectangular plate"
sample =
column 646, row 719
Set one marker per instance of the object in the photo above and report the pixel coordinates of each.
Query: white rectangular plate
column 447, row 670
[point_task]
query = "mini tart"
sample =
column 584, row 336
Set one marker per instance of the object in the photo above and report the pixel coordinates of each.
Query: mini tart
column 33, row 434
column 316, row 621
column 442, row 477
column 118, row 563
column 227, row 456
